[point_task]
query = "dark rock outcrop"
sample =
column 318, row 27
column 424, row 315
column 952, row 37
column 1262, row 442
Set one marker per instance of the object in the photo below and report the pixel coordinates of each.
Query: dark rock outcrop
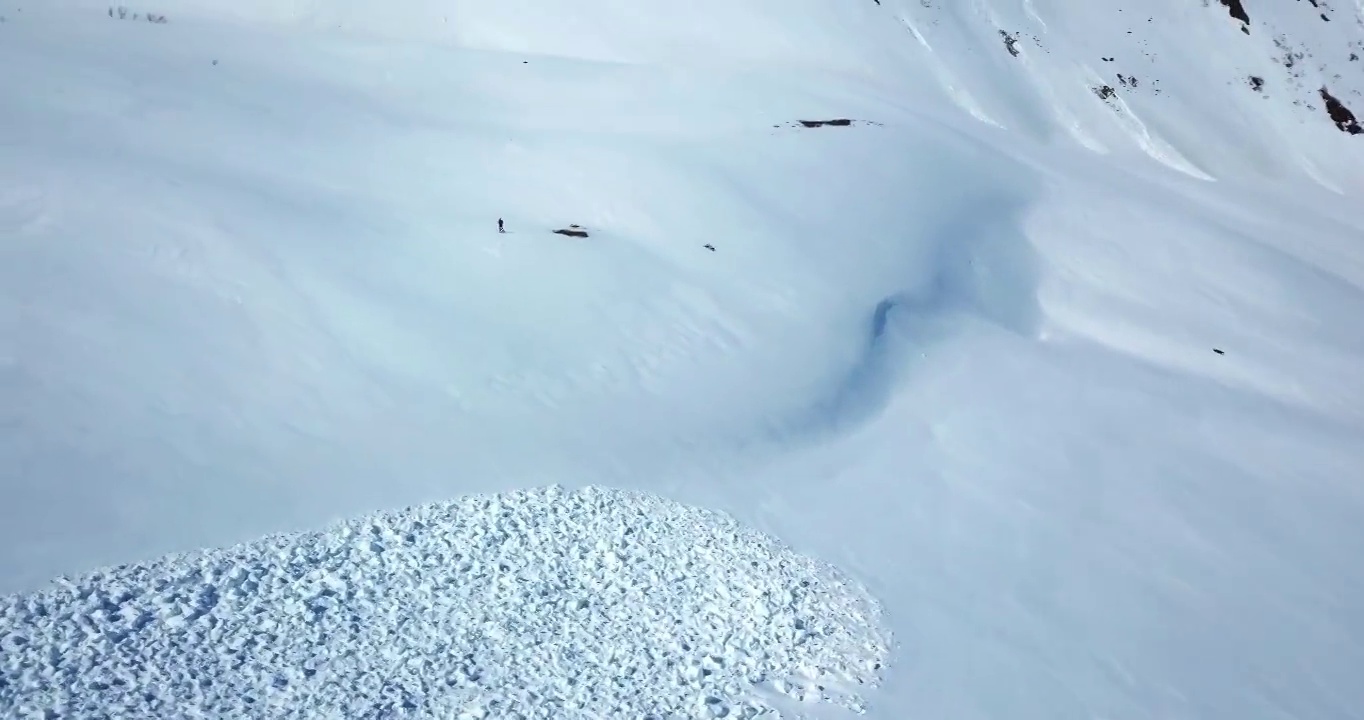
column 1341, row 115
column 1237, row 11
column 572, row 231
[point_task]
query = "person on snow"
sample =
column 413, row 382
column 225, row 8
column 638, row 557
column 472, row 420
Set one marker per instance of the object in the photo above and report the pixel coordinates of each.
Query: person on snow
column 499, row 226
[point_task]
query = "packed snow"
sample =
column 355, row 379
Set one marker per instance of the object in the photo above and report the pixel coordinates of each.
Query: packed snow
column 536, row 604
column 1034, row 323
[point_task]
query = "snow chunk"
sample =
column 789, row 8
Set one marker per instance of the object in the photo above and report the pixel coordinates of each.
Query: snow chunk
column 536, row 604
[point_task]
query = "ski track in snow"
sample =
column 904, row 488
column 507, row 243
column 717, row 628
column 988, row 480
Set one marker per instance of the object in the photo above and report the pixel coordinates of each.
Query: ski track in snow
column 538, row 604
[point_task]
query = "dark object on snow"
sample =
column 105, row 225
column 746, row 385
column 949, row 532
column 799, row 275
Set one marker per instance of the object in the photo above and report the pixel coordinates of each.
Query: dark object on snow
column 709, row 247
column 836, row 122
column 1341, row 115
column 572, row 231
column 499, row 226
column 1219, row 352
column 1010, row 42
column 1237, row 10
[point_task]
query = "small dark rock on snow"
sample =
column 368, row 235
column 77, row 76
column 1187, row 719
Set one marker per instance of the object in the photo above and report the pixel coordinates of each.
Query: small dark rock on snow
column 572, row 231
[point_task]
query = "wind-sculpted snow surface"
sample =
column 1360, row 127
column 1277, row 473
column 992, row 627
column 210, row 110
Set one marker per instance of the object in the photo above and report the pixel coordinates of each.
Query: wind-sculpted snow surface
column 539, row 604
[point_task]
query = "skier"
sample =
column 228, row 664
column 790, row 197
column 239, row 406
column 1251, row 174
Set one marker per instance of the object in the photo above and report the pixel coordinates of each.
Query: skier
column 499, row 226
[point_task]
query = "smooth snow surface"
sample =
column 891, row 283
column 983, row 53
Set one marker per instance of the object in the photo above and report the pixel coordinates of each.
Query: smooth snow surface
column 1055, row 347
column 539, row 604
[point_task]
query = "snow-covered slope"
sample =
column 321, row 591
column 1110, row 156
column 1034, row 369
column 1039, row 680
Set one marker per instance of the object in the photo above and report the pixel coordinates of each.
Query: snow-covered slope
column 1069, row 378
column 542, row 604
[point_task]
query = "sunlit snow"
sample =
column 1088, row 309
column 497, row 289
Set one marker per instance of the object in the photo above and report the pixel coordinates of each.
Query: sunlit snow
column 1046, row 368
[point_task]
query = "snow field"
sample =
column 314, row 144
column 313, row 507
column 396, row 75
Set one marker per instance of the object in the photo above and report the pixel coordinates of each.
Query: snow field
column 546, row 603
column 318, row 297
column 1085, row 423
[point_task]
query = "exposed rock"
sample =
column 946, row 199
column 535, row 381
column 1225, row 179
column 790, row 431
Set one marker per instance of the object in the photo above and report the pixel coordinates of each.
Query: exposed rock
column 836, row 122
column 1239, row 12
column 1341, row 115
column 1010, row 42
column 572, row 231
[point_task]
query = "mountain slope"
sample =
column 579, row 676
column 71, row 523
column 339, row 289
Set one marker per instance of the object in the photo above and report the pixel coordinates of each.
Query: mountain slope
column 1066, row 377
